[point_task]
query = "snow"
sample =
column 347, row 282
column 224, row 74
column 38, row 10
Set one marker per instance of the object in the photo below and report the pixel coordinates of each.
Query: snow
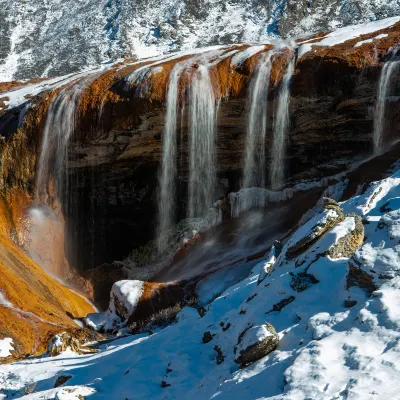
column 6, row 347
column 239, row 58
column 381, row 36
column 19, row 96
column 71, row 36
column 348, row 33
column 326, row 350
column 344, row 228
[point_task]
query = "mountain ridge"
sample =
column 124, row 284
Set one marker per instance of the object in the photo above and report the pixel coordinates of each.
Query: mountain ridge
column 49, row 39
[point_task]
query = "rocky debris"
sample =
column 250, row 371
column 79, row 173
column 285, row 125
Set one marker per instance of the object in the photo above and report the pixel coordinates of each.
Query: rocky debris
column 165, row 384
column 349, row 303
column 282, row 304
column 74, row 340
column 346, row 246
column 255, row 343
column 220, row 354
column 62, row 379
column 328, row 219
column 302, row 281
column 359, row 277
column 61, row 343
column 266, row 267
column 207, row 337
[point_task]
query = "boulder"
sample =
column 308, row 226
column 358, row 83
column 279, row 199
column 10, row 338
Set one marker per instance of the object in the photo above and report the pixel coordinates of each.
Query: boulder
column 256, row 343
column 348, row 244
column 327, row 220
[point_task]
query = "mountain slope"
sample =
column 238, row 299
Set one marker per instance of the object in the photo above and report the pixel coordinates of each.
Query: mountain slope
column 42, row 39
column 336, row 314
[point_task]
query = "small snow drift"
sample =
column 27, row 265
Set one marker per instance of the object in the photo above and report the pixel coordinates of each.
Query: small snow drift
column 6, row 346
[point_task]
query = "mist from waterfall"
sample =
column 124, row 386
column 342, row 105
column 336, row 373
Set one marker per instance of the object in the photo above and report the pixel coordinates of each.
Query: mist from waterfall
column 202, row 138
column 281, row 124
column 168, row 173
column 254, row 162
column 385, row 82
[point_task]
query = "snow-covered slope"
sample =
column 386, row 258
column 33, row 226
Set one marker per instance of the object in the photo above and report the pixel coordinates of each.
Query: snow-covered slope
column 50, row 38
column 337, row 319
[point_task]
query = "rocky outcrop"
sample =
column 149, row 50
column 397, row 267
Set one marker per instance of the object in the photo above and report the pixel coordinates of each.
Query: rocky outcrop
column 256, row 343
column 347, row 245
column 115, row 151
column 73, row 340
column 331, row 216
column 137, row 304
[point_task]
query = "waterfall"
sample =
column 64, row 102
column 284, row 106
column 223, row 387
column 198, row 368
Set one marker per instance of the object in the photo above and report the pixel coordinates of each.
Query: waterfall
column 383, row 92
column 202, row 137
column 254, row 165
column 59, row 126
column 46, row 245
column 168, row 173
column 281, row 123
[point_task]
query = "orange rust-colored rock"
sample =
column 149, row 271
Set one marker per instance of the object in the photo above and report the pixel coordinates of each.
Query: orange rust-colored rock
column 35, row 305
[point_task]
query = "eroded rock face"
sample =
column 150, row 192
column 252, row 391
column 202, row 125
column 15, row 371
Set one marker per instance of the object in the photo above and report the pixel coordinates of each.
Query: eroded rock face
column 115, row 152
column 256, row 343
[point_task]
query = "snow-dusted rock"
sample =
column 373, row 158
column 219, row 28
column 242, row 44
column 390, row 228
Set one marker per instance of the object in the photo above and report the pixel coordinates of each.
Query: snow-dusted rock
column 256, row 343
column 350, row 236
column 267, row 266
column 315, row 228
column 125, row 296
column 61, row 342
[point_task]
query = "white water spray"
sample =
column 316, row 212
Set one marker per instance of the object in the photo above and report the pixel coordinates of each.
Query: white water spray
column 385, row 81
column 281, row 123
column 202, row 138
column 168, row 173
column 254, row 165
column 59, row 126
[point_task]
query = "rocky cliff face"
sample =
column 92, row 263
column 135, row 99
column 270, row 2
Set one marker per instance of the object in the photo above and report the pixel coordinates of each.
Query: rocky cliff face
column 114, row 153
column 73, row 36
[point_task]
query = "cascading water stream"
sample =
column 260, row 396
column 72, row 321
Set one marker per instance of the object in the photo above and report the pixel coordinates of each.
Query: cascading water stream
column 168, row 173
column 202, row 138
column 385, row 81
column 254, row 165
column 59, row 126
column 281, row 123
column 47, row 227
